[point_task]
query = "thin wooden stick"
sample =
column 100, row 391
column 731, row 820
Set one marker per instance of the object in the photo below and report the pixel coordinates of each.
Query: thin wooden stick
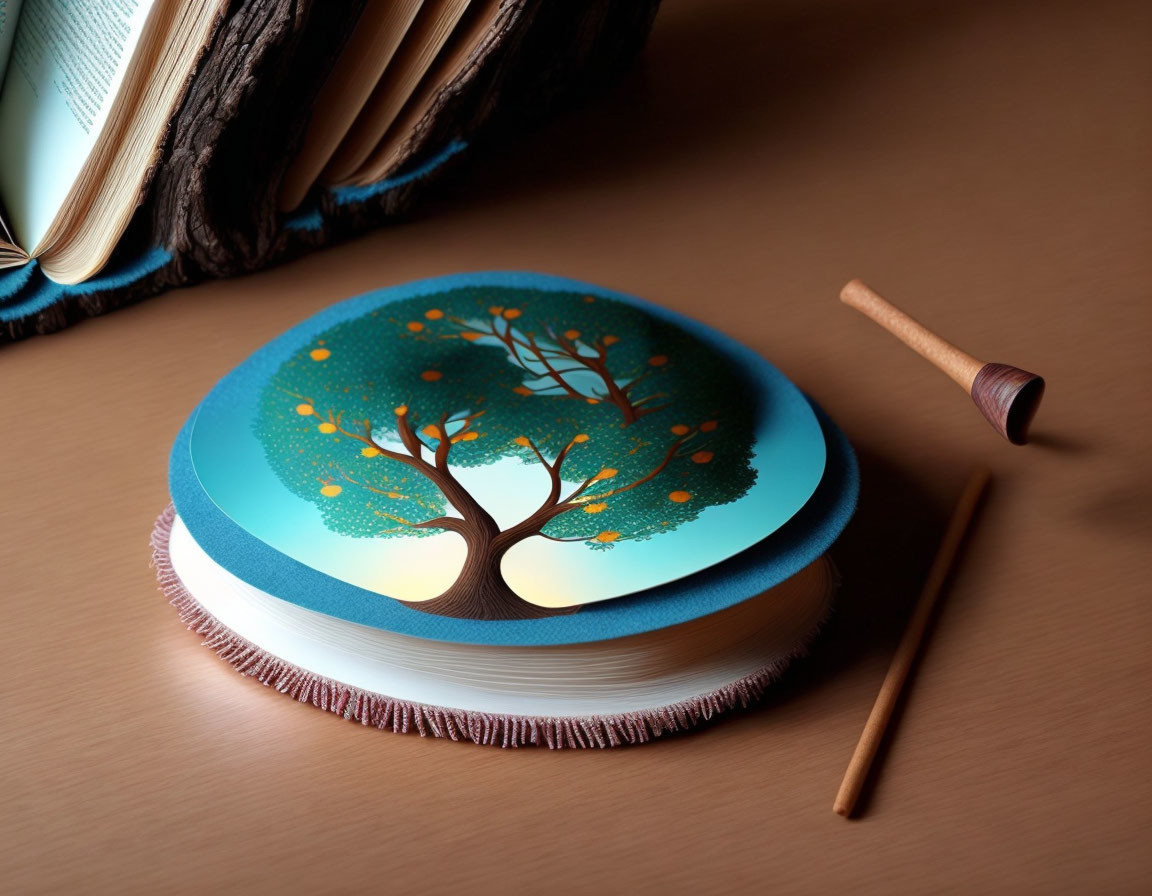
column 909, row 646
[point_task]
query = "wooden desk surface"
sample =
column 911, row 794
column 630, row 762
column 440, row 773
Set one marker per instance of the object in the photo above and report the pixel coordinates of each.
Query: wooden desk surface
column 987, row 165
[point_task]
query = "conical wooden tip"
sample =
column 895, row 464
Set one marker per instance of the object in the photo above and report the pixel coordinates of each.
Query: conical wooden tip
column 1008, row 397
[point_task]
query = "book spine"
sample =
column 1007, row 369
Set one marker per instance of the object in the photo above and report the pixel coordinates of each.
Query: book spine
column 212, row 204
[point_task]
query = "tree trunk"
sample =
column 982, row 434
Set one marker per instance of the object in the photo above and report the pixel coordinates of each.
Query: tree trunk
column 480, row 591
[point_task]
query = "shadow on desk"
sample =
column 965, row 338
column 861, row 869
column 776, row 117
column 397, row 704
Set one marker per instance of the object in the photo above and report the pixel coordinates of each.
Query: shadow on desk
column 882, row 558
column 753, row 78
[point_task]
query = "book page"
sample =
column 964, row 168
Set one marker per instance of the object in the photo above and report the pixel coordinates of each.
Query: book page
column 65, row 67
column 449, row 65
column 378, row 33
column 431, row 29
column 10, row 254
column 9, row 13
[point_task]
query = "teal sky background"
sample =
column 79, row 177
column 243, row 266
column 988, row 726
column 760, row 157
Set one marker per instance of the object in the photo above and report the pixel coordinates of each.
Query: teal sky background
column 789, row 457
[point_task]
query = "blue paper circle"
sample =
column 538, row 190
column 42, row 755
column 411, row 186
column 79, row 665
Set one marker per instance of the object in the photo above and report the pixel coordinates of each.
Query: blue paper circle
column 767, row 563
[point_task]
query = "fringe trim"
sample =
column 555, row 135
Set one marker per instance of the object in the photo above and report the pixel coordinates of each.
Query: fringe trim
column 402, row 716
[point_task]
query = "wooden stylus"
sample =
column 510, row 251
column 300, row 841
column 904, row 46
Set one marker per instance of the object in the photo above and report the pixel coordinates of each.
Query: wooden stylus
column 906, row 651
column 1007, row 396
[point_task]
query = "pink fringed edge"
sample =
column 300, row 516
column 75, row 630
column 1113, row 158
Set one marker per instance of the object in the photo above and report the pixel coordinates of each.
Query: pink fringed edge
column 380, row 711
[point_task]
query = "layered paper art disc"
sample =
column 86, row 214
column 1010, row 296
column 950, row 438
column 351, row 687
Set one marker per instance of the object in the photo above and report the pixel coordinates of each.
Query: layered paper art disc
column 587, row 444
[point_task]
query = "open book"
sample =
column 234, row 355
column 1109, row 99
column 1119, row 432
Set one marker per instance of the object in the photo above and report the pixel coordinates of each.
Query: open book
column 88, row 89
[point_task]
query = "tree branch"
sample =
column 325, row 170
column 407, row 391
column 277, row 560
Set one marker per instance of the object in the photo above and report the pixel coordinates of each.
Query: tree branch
column 567, row 540
column 364, row 485
column 553, row 475
column 567, row 502
column 633, row 383
column 297, row 395
column 652, row 474
column 366, row 438
column 443, row 443
column 567, row 350
column 408, row 438
column 439, row 476
column 556, row 375
column 449, row 523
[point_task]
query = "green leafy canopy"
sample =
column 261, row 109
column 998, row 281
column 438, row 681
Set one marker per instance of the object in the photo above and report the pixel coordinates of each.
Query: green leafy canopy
column 652, row 424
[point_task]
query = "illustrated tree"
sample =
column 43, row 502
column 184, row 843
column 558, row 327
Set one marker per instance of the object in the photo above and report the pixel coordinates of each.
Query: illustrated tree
column 572, row 361
column 638, row 426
